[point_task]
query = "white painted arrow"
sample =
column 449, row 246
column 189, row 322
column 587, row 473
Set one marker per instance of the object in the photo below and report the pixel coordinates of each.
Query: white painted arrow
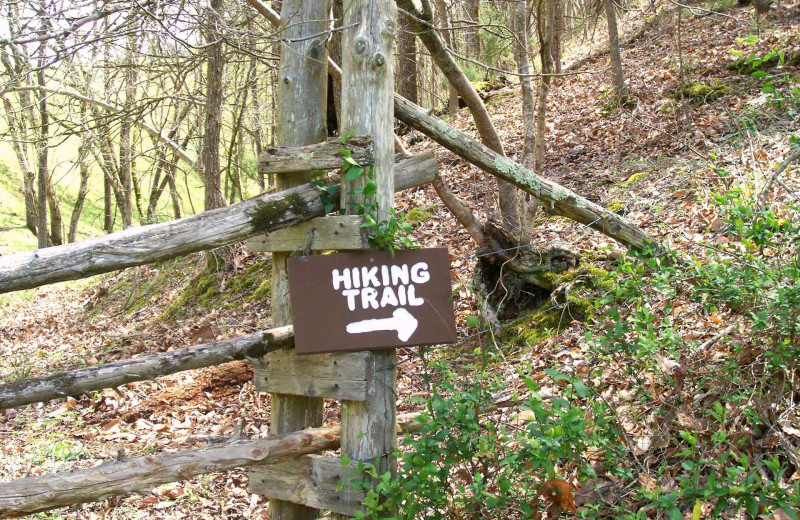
column 401, row 321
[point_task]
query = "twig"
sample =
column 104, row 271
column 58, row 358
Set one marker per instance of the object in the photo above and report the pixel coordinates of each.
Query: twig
column 762, row 197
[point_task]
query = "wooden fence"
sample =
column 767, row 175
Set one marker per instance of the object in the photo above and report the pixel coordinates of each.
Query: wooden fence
column 286, row 466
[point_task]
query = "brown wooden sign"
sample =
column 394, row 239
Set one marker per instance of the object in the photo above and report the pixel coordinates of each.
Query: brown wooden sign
column 371, row 300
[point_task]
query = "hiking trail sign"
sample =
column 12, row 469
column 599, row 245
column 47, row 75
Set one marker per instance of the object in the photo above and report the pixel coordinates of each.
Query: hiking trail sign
column 371, row 300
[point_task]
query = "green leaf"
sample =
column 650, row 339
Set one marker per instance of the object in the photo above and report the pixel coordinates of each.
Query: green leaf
column 751, row 505
column 788, row 511
column 472, row 321
column 580, row 388
column 697, row 510
column 674, row 513
column 370, row 189
column 353, row 173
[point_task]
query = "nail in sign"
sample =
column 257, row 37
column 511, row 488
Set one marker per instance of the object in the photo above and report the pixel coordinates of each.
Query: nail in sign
column 371, row 300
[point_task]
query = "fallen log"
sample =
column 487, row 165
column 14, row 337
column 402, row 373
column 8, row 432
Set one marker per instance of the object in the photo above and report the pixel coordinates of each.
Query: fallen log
column 156, row 242
column 34, row 494
column 556, row 198
column 111, row 375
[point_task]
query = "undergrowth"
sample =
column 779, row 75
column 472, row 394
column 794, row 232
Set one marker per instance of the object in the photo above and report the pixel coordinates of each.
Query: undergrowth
column 659, row 423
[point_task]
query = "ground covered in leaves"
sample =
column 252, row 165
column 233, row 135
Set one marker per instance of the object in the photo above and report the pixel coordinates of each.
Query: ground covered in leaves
column 672, row 401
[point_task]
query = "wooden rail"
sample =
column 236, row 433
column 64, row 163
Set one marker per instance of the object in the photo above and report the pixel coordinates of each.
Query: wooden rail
column 156, row 242
column 42, row 389
column 319, row 485
column 33, row 494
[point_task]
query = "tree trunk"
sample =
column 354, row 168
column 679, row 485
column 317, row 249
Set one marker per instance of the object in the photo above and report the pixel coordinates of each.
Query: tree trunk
column 125, row 145
column 614, row 51
column 444, row 26
column 544, row 27
column 406, row 61
column 215, row 70
column 473, row 33
column 558, row 35
column 108, row 206
column 43, row 144
column 529, row 203
column 83, row 166
column 18, row 143
column 422, row 22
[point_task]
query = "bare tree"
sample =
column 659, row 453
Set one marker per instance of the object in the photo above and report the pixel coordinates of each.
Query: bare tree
column 406, row 61
column 215, row 69
column 422, row 22
column 614, row 51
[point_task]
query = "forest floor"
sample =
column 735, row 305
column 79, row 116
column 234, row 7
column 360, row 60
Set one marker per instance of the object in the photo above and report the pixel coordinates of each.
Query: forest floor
column 658, row 163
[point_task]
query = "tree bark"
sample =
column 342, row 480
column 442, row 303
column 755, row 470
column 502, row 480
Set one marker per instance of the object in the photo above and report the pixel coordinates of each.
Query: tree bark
column 422, row 22
column 528, row 203
column 43, row 144
column 112, row 375
column 215, row 70
column 614, row 50
column 545, row 17
column 77, row 209
column 108, row 206
column 406, row 61
column 125, row 145
column 18, row 143
column 33, row 494
column 473, row 34
column 444, row 27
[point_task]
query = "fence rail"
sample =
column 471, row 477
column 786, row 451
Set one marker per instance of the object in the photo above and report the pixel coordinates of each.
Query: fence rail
column 111, row 375
column 156, row 242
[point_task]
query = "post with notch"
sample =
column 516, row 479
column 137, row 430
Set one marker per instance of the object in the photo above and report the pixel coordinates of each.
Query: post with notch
column 369, row 427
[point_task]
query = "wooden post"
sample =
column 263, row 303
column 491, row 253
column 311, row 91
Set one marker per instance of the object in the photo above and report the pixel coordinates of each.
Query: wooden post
column 368, row 427
column 302, row 95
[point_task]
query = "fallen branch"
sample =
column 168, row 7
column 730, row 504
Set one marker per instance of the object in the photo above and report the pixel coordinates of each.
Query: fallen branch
column 111, row 375
column 557, row 199
column 765, row 191
column 156, row 242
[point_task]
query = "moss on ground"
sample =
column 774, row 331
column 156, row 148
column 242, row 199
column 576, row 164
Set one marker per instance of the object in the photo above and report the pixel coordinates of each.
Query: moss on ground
column 417, row 215
column 633, row 179
column 701, row 93
column 205, row 289
column 576, row 290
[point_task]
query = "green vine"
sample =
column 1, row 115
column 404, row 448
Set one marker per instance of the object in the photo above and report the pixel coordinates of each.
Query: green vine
column 386, row 234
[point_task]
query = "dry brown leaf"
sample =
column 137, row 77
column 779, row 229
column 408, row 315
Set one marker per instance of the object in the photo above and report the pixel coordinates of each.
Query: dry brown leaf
column 559, row 493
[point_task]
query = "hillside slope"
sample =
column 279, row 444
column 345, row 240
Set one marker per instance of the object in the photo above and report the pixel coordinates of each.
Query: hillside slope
column 673, row 401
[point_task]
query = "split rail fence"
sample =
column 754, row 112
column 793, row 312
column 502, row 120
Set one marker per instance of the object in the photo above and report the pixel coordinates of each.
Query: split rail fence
column 286, row 466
